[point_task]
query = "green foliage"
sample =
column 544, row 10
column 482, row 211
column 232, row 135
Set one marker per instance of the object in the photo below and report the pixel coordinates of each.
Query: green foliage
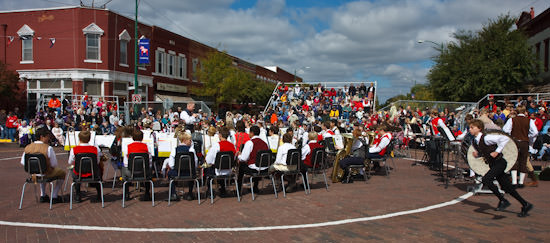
column 496, row 59
column 229, row 84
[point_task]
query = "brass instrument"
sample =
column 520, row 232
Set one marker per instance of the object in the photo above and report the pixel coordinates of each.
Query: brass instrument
column 371, row 135
column 337, row 172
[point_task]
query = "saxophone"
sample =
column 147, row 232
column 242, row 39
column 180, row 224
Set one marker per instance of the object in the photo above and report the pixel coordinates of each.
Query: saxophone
column 337, row 172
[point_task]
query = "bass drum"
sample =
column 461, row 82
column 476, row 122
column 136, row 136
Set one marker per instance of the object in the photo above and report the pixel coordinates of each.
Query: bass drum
column 509, row 153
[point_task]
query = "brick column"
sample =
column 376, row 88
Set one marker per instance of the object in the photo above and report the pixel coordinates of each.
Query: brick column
column 78, row 87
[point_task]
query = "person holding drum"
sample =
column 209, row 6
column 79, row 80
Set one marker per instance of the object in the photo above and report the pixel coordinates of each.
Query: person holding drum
column 490, row 146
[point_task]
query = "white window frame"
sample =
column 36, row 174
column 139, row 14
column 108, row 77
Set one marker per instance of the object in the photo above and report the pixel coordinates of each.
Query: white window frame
column 26, row 34
column 171, row 61
column 182, row 66
column 194, row 69
column 93, row 29
column 125, row 39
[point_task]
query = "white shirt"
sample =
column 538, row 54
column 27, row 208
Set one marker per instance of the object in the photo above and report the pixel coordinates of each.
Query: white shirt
column 384, row 142
column 51, row 156
column 492, row 139
column 72, row 156
column 186, row 117
column 306, row 150
column 113, row 119
column 335, row 130
column 245, row 154
column 533, row 131
column 282, row 153
column 171, row 159
column 211, row 158
column 125, row 159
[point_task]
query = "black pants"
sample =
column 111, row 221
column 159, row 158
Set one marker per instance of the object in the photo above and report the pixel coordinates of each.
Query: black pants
column 244, row 169
column 77, row 185
column 190, row 184
column 210, row 172
column 496, row 171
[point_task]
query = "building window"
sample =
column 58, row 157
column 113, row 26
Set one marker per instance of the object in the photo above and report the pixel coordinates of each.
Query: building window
column 195, row 63
column 171, row 65
column 546, row 54
column 124, row 52
column 26, row 35
column 93, row 35
column 182, row 67
column 92, row 46
column 124, row 38
column 160, row 61
column 26, row 48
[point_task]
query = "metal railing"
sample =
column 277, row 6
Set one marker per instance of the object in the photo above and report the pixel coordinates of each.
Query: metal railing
column 499, row 98
column 76, row 101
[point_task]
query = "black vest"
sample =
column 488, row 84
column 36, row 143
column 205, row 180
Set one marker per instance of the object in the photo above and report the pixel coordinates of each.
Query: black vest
column 485, row 150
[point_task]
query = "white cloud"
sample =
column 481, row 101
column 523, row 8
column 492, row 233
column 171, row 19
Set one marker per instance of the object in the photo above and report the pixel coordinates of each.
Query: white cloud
column 357, row 40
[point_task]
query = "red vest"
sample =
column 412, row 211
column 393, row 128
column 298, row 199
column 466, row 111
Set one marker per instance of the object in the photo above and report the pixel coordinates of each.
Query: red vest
column 312, row 146
column 227, row 146
column 257, row 145
column 241, row 138
column 434, row 125
column 378, row 140
column 82, row 150
column 137, row 147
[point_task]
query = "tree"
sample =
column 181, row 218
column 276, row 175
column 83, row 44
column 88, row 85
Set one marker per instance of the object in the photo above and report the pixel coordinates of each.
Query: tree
column 496, row 59
column 229, row 84
column 10, row 93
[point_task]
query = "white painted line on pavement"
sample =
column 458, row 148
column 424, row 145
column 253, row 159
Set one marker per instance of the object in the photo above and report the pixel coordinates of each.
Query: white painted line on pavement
column 235, row 229
column 19, row 157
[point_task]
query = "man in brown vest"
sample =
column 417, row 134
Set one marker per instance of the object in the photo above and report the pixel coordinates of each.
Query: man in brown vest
column 247, row 157
column 520, row 128
column 42, row 147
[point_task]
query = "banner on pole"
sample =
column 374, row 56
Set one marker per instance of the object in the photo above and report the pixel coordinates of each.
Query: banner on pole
column 143, row 51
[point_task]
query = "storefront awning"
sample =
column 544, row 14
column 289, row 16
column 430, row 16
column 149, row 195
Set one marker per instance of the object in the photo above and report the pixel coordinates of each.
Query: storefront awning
column 174, row 98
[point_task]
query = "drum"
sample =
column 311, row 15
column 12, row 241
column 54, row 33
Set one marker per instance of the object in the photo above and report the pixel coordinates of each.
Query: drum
column 509, row 153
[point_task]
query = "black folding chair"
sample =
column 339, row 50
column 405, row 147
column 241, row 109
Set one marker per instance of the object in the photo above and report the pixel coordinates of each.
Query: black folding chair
column 293, row 158
column 35, row 165
column 224, row 161
column 387, row 155
column 86, row 163
column 184, row 164
column 263, row 160
column 329, row 144
column 138, row 165
column 319, row 166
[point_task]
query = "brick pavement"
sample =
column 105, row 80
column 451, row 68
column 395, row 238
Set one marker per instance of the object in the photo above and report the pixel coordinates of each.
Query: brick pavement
column 407, row 188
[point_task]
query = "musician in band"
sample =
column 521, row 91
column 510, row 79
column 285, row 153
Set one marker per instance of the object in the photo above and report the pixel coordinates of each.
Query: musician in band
column 186, row 145
column 522, row 129
column 188, row 117
column 247, row 157
column 490, row 147
column 358, row 154
column 224, row 145
column 436, row 122
column 307, row 152
column 84, row 147
column 380, row 144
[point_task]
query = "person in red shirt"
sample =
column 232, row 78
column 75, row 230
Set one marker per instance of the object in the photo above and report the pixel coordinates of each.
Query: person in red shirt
column 241, row 137
column 11, row 124
column 137, row 147
column 84, row 147
column 307, row 152
column 223, row 146
column 538, row 121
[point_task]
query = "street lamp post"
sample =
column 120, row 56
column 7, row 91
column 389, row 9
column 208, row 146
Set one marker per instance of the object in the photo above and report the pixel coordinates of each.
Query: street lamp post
column 298, row 69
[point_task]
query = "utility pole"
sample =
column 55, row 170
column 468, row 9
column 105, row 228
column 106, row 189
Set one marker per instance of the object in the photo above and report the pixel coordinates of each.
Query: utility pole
column 136, row 55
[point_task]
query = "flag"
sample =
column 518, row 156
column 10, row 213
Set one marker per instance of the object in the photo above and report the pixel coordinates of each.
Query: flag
column 52, row 42
column 10, row 39
column 24, row 37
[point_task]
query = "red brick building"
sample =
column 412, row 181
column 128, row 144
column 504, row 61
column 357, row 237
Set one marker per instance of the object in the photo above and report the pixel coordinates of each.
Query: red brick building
column 72, row 50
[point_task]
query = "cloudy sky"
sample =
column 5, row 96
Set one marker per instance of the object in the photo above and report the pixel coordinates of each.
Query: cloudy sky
column 338, row 40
